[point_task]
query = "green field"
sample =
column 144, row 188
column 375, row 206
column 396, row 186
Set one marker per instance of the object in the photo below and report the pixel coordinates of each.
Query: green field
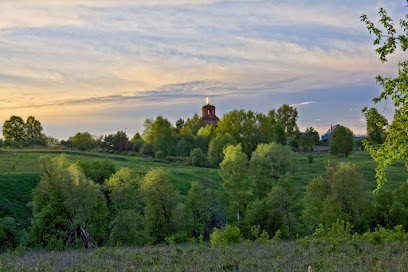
column 19, row 174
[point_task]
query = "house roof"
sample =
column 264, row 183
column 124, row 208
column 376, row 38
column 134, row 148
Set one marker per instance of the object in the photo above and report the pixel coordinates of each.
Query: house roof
column 327, row 135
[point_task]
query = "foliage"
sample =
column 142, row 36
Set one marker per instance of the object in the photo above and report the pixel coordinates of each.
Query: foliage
column 117, row 141
column 198, row 210
column 342, row 142
column 395, row 145
column 233, row 170
column 159, row 155
column 309, row 139
column 14, row 129
column 66, row 205
column 126, row 201
column 287, row 116
column 147, row 150
column 268, row 163
column 216, row 147
column 33, row 132
column 310, row 158
column 82, row 141
column 249, row 128
column 159, row 134
column 8, row 233
column 97, row 170
column 183, row 148
column 198, row 158
column 342, row 194
column 194, row 123
column 376, row 124
column 160, row 200
column 225, row 236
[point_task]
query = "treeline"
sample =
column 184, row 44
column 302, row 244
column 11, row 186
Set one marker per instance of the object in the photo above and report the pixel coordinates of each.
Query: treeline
column 87, row 204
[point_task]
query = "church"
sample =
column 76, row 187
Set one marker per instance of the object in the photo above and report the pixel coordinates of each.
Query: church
column 209, row 117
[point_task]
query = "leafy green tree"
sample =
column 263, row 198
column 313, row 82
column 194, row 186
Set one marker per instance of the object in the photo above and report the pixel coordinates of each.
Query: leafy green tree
column 183, row 148
column 383, row 204
column 126, row 227
column 287, row 116
column 342, row 194
column 187, row 135
column 147, row 150
column 309, row 139
column 98, row 170
column 180, row 124
column 160, row 200
column 268, row 163
column 33, row 132
column 159, row 134
column 198, row 158
column 68, row 208
column 138, row 142
column 203, row 138
column 14, row 129
column 233, row 170
column 395, row 145
column 285, row 207
column 194, row 123
column 82, row 141
column 342, row 142
column 376, row 124
column 116, row 141
column 198, row 210
column 216, row 147
column 8, row 233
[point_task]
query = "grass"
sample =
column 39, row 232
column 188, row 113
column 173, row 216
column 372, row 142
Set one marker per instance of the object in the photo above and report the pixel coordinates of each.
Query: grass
column 246, row 256
column 19, row 174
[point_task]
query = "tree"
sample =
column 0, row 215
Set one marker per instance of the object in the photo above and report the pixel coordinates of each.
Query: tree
column 376, row 124
column 126, row 227
column 14, row 129
column 342, row 142
column 194, row 123
column 268, row 163
column 159, row 134
column 180, row 124
column 68, row 208
column 342, row 194
column 116, row 141
column 98, row 170
column 198, row 158
column 287, row 116
column 160, row 200
column 395, row 146
column 183, row 148
column 33, row 132
column 82, row 141
column 216, row 147
column 309, row 139
column 204, row 136
column 233, row 171
column 198, row 210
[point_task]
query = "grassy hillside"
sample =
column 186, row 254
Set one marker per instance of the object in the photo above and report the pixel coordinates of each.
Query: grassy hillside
column 19, row 174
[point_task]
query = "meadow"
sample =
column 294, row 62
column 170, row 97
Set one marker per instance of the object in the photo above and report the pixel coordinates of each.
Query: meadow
column 19, row 173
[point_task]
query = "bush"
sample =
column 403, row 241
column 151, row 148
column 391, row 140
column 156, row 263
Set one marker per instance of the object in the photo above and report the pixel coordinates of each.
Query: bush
column 177, row 160
column 159, row 155
column 8, row 233
column 225, row 236
column 97, row 170
column 198, row 158
column 147, row 150
column 310, row 158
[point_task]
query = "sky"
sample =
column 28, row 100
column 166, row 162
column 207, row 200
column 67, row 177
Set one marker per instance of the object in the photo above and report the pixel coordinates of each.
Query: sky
column 104, row 66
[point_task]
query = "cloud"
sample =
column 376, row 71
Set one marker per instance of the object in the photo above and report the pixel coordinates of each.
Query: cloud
column 303, row 103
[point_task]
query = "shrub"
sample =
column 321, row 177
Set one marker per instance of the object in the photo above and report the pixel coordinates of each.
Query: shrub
column 225, row 236
column 198, row 158
column 146, row 150
column 159, row 155
column 310, row 158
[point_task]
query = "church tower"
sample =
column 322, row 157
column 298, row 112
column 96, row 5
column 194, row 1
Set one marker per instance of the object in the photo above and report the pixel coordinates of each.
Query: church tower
column 209, row 117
